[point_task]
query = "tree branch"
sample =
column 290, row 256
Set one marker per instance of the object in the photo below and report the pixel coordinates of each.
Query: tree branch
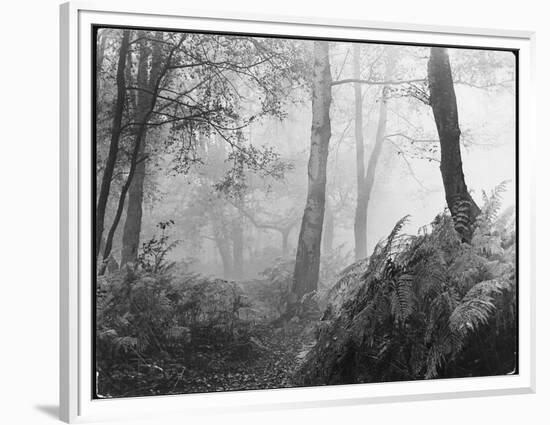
column 375, row 82
column 412, row 139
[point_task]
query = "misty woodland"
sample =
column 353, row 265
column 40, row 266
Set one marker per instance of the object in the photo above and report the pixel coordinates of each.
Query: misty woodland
column 276, row 212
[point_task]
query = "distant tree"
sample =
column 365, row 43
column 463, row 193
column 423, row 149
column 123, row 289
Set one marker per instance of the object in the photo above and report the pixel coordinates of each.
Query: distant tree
column 381, row 70
column 282, row 225
column 102, row 37
column 221, row 229
column 237, row 239
column 360, row 231
column 366, row 176
column 195, row 87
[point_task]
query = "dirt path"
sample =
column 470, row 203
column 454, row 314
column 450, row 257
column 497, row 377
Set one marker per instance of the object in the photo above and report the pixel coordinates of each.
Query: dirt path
column 267, row 360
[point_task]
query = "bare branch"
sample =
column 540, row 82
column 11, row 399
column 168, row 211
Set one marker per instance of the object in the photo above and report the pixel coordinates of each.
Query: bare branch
column 412, row 139
column 375, row 82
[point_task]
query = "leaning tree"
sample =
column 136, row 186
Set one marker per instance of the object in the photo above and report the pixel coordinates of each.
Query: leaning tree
column 463, row 208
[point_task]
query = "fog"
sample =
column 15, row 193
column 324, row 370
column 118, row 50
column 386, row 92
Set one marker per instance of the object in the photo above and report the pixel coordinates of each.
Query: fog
column 407, row 178
column 266, row 204
column 406, row 182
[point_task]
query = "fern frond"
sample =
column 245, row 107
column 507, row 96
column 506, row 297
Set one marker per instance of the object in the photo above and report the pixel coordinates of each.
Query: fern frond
column 125, row 343
column 436, row 353
column 468, row 316
column 487, row 244
column 476, row 307
column 492, row 203
column 487, row 288
column 389, row 243
column 386, row 248
column 348, row 276
column 444, row 348
column 404, row 296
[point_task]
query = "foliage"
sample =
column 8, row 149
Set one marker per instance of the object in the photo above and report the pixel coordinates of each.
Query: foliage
column 153, row 255
column 264, row 161
column 145, row 318
column 422, row 307
column 332, row 262
column 276, row 284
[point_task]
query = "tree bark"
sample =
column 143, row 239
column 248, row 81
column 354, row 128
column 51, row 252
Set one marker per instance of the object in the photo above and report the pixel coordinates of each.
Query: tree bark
column 101, row 44
column 134, row 160
column 443, row 102
column 115, row 138
column 306, row 271
column 360, row 223
column 284, row 241
column 134, row 210
column 120, row 207
column 328, row 232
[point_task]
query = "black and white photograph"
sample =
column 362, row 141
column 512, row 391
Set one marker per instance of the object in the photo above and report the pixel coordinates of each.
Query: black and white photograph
column 276, row 212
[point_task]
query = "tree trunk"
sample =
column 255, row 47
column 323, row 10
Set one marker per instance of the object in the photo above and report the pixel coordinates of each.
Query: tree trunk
column 284, row 241
column 237, row 237
column 377, row 149
column 306, row 271
column 101, row 44
column 114, row 145
column 443, row 102
column 156, row 78
column 328, row 232
column 225, row 254
column 120, row 207
column 134, row 211
column 366, row 177
column 360, row 223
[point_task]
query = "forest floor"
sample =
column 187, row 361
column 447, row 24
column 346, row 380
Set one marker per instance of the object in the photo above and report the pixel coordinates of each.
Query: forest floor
column 267, row 359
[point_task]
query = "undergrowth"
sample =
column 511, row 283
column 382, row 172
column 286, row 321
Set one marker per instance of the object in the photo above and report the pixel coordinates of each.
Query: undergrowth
column 423, row 306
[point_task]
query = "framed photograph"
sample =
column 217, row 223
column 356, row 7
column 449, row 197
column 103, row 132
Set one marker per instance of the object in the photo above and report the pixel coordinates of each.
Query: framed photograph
column 262, row 211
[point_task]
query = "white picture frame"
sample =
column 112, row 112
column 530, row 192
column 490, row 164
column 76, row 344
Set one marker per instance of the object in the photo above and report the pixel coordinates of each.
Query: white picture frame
column 76, row 403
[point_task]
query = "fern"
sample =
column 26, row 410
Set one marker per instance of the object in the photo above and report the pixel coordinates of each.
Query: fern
column 493, row 203
column 349, row 282
column 413, row 311
column 403, row 296
column 388, row 245
column 125, row 343
column 476, row 307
